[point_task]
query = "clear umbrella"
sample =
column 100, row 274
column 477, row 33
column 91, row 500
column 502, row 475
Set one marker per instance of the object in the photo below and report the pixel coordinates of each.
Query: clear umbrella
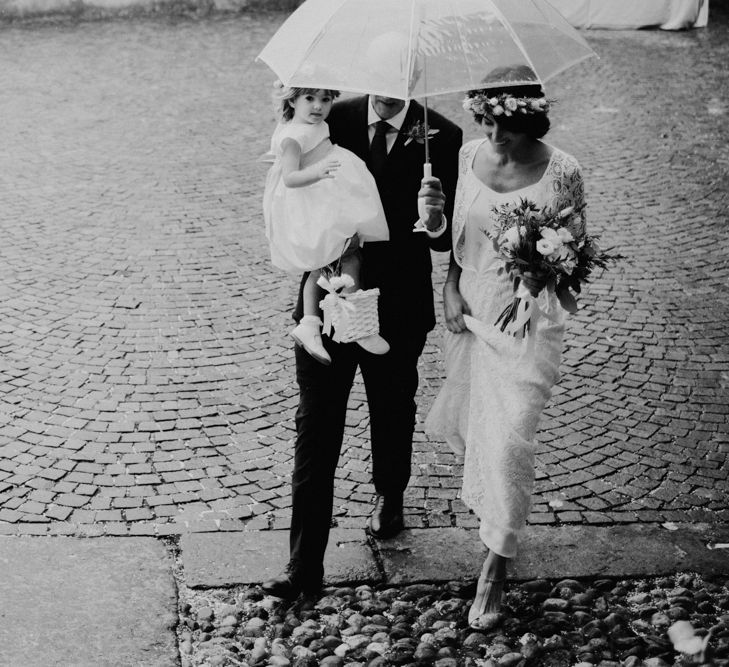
column 419, row 48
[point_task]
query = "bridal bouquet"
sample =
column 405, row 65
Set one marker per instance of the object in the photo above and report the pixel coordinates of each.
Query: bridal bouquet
column 550, row 245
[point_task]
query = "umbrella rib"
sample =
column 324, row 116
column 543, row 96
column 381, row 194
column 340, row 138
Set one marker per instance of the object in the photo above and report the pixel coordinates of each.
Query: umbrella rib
column 464, row 45
column 319, row 36
column 411, row 48
column 515, row 37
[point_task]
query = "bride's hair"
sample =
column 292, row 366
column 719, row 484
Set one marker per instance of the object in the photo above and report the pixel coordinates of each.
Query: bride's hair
column 284, row 96
column 529, row 118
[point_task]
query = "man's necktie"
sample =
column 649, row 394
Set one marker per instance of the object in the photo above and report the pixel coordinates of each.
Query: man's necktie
column 378, row 148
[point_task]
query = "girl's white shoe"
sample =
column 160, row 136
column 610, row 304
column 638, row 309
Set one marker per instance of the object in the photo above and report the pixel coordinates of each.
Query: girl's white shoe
column 308, row 334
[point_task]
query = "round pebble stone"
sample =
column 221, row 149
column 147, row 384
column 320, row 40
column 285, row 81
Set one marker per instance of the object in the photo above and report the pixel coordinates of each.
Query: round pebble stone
column 279, row 647
column 380, row 661
column 205, row 614
column 227, row 610
column 632, row 661
column 496, row 651
column 446, row 652
column 254, row 627
column 556, row 604
column 305, row 661
column 660, row 620
column 655, row 662
column 446, row 635
column 427, row 618
column 301, row 652
column 425, row 653
column 230, row 619
column 678, row 614
column 329, row 604
column 374, row 649
column 536, row 586
column 278, row 661
column 510, row 659
column 341, row 650
column 446, row 662
column 356, row 641
column 332, row 661
column 582, row 599
column 476, row 639
column 581, row 618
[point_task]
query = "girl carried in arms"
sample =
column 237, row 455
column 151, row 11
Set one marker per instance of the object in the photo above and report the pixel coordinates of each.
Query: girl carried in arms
column 320, row 203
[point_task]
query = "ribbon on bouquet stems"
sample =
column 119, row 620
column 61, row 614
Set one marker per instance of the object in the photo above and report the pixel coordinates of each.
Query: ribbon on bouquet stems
column 528, row 314
column 331, row 303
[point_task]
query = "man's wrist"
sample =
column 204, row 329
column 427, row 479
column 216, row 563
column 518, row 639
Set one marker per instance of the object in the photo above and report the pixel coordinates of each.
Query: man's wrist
column 438, row 231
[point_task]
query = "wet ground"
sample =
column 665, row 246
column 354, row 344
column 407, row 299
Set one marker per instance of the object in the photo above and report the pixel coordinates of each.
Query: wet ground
column 147, row 373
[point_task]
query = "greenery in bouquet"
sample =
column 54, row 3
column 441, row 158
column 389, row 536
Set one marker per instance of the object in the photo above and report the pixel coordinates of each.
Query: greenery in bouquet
column 550, row 247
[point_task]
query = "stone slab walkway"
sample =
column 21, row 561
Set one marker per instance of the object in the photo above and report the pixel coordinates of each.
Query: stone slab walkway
column 113, row 602
column 439, row 555
column 71, row 602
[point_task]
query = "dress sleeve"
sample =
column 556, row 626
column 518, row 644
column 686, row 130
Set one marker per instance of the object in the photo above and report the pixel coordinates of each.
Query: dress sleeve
column 569, row 190
column 306, row 135
column 575, row 186
column 459, row 204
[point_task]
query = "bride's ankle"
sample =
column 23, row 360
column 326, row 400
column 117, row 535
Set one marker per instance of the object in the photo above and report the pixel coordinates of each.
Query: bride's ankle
column 494, row 567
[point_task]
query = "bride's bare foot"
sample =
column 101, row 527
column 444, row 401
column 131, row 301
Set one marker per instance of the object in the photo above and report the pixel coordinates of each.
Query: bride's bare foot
column 489, row 592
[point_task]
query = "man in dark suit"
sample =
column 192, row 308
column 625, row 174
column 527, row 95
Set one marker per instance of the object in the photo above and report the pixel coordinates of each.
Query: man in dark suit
column 401, row 269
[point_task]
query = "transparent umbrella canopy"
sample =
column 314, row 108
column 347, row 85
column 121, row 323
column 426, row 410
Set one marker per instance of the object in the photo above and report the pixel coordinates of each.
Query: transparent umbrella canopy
column 420, row 48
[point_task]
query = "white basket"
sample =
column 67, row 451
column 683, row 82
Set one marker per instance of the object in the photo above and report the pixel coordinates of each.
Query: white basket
column 352, row 316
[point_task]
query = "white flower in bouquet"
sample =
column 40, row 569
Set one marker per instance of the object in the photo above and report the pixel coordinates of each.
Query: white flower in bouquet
column 565, row 235
column 545, row 247
column 511, row 236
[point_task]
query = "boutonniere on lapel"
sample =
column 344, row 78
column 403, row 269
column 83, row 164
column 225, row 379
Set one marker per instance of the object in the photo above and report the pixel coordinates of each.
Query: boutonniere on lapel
column 416, row 132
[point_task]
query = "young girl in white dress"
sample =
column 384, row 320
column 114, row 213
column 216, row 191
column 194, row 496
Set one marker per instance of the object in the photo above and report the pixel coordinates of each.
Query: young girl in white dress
column 320, row 202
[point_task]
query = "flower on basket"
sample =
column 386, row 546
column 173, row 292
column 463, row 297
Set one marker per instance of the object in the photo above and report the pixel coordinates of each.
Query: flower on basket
column 552, row 247
column 416, row 133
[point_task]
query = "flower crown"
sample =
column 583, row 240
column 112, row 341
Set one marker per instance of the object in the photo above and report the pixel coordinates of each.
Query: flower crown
column 505, row 104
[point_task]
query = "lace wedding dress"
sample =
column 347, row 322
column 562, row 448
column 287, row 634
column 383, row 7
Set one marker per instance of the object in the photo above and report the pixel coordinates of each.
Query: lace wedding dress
column 496, row 388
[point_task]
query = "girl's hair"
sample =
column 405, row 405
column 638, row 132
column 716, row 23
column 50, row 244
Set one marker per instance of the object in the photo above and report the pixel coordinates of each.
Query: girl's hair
column 283, row 96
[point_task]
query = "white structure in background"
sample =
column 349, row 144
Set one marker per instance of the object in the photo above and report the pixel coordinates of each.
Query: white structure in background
column 630, row 14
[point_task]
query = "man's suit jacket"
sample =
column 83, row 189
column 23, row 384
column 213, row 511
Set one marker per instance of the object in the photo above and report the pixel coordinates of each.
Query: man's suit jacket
column 401, row 267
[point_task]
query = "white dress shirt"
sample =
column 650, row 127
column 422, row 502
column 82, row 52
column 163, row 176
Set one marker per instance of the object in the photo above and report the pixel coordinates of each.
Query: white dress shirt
column 395, row 124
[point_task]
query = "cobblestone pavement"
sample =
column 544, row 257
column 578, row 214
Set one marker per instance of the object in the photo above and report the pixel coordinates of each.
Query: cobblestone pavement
column 147, row 375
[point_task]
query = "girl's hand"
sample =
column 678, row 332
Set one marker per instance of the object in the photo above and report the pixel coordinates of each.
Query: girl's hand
column 326, row 168
column 454, row 307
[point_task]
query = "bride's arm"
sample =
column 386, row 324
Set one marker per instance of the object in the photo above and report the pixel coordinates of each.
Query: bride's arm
column 454, row 305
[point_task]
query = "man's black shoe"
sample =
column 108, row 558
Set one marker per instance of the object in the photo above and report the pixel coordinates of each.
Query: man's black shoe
column 386, row 520
column 288, row 586
column 283, row 586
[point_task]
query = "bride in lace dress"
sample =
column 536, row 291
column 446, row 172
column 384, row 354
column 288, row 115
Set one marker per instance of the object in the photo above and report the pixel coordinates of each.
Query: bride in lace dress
column 496, row 387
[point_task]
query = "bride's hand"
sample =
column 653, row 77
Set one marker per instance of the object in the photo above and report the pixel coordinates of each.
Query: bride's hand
column 455, row 308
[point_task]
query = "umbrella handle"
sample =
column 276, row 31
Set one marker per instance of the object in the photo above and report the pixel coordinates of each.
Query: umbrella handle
column 427, row 170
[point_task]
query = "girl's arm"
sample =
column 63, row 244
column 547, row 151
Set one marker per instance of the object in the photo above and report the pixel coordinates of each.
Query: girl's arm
column 454, row 305
column 294, row 176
